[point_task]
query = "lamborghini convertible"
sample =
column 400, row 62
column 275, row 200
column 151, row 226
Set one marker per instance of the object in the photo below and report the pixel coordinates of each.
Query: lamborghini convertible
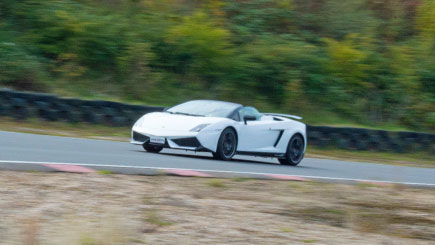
column 224, row 129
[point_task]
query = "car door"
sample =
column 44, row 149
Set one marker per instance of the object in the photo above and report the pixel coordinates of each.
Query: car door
column 256, row 135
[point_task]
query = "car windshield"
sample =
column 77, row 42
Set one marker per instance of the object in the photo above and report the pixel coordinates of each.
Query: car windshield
column 206, row 108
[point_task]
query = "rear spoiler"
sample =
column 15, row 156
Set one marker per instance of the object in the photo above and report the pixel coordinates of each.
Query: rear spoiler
column 283, row 115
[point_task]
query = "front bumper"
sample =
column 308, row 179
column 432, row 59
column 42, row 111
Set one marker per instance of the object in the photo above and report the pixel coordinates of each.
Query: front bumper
column 183, row 140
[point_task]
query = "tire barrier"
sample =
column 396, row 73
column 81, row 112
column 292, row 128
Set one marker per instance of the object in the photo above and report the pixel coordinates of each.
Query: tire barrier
column 368, row 139
column 23, row 105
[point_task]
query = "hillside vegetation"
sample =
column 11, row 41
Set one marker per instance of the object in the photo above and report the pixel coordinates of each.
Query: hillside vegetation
column 354, row 62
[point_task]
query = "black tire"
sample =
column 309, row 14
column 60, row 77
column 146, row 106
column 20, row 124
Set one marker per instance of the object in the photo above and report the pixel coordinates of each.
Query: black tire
column 227, row 145
column 295, row 151
column 152, row 148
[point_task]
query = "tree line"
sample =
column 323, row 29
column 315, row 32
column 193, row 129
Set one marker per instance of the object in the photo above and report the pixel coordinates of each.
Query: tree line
column 365, row 62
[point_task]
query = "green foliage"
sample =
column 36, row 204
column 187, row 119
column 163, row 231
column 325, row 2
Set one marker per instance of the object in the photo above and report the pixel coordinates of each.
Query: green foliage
column 199, row 45
column 105, row 172
column 346, row 62
column 250, row 19
column 425, row 21
column 216, row 183
column 18, row 68
column 359, row 61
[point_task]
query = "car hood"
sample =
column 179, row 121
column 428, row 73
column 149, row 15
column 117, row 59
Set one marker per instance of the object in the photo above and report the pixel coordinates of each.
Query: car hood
column 163, row 120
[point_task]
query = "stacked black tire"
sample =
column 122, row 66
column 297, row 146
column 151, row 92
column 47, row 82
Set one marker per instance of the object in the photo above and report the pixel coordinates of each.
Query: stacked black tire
column 23, row 105
column 367, row 139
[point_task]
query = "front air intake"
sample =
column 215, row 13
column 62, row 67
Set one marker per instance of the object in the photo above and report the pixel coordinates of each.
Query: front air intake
column 140, row 137
column 187, row 142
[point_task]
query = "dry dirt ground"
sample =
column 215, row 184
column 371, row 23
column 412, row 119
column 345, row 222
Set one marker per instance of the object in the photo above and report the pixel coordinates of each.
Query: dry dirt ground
column 104, row 208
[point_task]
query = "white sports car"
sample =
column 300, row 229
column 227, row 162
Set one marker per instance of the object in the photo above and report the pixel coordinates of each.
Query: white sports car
column 224, row 129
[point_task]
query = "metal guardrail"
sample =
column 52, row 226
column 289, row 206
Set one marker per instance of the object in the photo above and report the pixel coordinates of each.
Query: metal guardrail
column 23, row 105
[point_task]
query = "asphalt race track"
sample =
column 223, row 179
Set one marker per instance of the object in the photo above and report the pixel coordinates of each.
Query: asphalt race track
column 19, row 147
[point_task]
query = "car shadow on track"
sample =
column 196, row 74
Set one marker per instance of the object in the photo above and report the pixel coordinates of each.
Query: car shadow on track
column 237, row 160
column 208, row 158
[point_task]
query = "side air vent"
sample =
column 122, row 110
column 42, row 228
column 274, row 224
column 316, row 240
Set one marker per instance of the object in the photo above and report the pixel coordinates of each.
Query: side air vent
column 281, row 132
column 187, row 142
column 139, row 137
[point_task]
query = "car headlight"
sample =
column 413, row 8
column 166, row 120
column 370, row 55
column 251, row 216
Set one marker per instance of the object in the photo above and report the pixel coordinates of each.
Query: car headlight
column 199, row 127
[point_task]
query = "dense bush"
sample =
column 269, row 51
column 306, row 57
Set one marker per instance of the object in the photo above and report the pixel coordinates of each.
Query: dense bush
column 358, row 61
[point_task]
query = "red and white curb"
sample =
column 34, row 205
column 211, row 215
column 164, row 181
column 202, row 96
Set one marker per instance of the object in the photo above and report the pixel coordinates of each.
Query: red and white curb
column 186, row 172
column 141, row 170
column 70, row 168
column 287, row 177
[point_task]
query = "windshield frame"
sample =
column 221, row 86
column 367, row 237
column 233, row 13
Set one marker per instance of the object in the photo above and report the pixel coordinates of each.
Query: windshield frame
column 233, row 107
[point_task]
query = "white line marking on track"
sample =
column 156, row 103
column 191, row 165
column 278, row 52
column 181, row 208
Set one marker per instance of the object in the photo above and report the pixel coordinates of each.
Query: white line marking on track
column 219, row 171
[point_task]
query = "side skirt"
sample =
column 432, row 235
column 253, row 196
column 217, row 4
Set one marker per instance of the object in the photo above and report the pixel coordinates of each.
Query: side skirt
column 198, row 149
column 261, row 154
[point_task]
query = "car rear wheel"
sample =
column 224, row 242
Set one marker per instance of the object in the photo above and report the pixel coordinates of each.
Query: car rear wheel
column 295, row 151
column 152, row 148
column 227, row 145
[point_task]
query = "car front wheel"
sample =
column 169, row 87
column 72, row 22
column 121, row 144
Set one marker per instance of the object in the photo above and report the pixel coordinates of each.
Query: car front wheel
column 227, row 145
column 152, row 148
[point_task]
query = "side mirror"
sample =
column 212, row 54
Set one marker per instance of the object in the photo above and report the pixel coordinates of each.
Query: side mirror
column 249, row 118
column 166, row 108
